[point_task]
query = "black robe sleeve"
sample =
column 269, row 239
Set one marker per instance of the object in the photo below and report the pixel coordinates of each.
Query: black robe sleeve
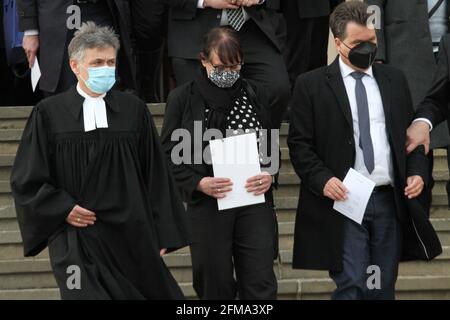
column 41, row 206
column 167, row 207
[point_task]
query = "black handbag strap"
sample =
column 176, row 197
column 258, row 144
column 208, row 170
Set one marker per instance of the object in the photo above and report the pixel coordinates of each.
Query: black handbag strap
column 435, row 8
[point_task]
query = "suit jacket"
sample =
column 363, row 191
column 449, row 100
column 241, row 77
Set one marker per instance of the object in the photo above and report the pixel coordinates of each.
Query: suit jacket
column 435, row 106
column 188, row 25
column 322, row 146
column 405, row 29
column 184, row 106
column 309, row 8
column 49, row 17
column 2, row 35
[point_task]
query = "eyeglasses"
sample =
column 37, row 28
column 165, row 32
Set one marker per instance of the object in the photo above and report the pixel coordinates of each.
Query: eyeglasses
column 224, row 67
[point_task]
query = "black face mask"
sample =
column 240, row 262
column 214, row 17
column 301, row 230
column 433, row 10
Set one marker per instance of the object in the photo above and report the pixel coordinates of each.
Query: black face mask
column 362, row 55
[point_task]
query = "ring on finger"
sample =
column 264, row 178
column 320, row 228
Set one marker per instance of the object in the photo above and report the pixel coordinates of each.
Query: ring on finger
column 78, row 220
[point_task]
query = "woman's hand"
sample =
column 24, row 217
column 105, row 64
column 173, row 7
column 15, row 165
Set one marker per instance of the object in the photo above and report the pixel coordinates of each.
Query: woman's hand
column 259, row 184
column 80, row 217
column 414, row 187
column 215, row 187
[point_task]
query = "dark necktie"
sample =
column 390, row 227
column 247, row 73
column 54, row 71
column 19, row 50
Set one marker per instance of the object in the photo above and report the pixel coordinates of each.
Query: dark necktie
column 236, row 18
column 365, row 139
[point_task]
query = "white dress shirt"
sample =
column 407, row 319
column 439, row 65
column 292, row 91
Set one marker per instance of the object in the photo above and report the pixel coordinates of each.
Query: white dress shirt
column 383, row 173
column 224, row 17
column 94, row 111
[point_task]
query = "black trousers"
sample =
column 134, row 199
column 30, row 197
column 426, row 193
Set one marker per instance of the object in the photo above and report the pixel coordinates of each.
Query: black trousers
column 240, row 240
column 306, row 45
column 262, row 63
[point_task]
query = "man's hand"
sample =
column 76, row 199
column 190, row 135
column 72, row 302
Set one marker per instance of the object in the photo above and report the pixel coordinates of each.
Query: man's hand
column 215, row 187
column 162, row 252
column 417, row 134
column 246, row 3
column 259, row 184
column 31, row 45
column 414, row 187
column 220, row 4
column 80, row 217
column 335, row 190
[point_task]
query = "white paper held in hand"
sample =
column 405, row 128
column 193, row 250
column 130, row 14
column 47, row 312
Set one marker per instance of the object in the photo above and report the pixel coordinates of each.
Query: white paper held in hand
column 236, row 158
column 360, row 189
column 35, row 74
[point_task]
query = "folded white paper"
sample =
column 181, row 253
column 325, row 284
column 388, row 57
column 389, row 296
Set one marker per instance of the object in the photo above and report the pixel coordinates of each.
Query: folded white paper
column 236, row 158
column 360, row 189
column 35, row 74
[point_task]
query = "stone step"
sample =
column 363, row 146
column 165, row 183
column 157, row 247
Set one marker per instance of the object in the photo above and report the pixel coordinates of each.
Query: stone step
column 11, row 242
column 286, row 230
column 286, row 196
column 283, row 203
column 11, row 271
column 437, row 212
column 287, row 176
column 8, row 213
column 288, row 187
column 439, row 266
column 22, row 113
column 290, row 202
column 9, row 140
column 30, row 294
column 408, row 288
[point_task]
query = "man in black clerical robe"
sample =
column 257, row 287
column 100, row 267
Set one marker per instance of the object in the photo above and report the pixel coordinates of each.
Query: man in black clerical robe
column 91, row 182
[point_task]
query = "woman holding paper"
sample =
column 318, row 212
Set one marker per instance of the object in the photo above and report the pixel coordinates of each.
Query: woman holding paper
column 242, row 239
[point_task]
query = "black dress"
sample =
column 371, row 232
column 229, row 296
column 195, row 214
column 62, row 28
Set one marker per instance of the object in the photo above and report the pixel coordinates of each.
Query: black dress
column 121, row 174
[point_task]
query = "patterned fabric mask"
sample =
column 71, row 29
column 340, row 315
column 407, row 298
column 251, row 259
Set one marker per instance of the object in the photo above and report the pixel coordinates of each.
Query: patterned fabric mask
column 224, row 78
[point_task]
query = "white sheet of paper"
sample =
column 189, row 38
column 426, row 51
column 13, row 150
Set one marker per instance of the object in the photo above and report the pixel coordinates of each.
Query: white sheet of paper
column 35, row 74
column 360, row 189
column 236, row 158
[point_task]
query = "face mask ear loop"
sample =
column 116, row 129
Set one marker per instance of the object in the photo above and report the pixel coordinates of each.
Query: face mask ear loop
column 80, row 74
column 346, row 57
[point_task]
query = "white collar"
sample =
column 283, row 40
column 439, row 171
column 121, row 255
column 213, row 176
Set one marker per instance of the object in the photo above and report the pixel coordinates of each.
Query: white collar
column 94, row 111
column 346, row 70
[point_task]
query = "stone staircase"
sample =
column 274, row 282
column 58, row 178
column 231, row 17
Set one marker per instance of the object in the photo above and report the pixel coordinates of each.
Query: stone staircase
column 31, row 278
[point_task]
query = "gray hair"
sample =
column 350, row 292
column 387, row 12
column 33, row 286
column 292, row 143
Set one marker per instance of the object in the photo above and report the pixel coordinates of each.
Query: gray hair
column 91, row 36
column 346, row 12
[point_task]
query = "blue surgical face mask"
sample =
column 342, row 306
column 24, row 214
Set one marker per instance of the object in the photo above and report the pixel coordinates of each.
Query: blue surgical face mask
column 101, row 79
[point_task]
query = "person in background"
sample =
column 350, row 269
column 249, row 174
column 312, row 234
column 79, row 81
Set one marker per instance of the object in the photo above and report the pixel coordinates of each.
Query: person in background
column 307, row 34
column 50, row 25
column 261, row 32
column 408, row 38
column 15, row 79
column 434, row 109
column 241, row 239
